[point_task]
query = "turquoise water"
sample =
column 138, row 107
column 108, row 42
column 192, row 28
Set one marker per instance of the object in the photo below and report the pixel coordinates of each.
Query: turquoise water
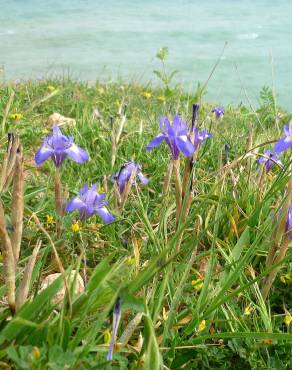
column 91, row 39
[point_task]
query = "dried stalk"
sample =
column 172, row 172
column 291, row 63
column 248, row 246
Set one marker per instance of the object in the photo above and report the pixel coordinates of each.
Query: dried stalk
column 280, row 244
column 104, row 184
column 117, row 194
column 58, row 194
column 12, row 159
column 131, row 327
column 190, row 161
column 127, row 189
column 17, row 205
column 7, row 169
column 168, row 175
column 7, row 109
column 117, row 132
column 8, row 261
column 59, row 263
column 25, row 283
column 59, row 204
column 248, row 149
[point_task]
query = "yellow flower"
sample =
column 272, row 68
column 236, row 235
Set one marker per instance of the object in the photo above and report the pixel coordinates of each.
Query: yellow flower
column 287, row 320
column 16, row 116
column 161, row 98
column 50, row 220
column 197, row 284
column 100, row 188
column 130, row 261
column 107, row 337
column 75, row 227
column 36, row 353
column 146, row 94
column 202, row 325
column 267, row 342
column 101, row 90
column 248, row 310
column 285, row 278
column 51, row 88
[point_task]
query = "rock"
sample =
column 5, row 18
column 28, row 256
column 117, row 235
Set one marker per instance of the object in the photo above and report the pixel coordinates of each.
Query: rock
column 78, row 289
column 58, row 119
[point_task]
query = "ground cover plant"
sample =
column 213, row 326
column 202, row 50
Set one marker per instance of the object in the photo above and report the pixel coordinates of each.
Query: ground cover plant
column 174, row 213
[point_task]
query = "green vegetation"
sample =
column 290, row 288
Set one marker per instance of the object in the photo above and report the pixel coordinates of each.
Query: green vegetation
column 195, row 307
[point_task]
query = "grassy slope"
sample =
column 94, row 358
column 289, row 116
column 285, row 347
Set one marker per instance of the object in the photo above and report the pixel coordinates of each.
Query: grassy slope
column 233, row 232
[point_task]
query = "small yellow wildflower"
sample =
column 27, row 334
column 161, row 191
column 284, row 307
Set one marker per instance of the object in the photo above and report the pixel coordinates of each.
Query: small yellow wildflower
column 36, row 353
column 107, row 337
column 130, row 261
column 101, row 90
column 100, row 188
column 50, row 220
column 75, row 227
column 146, row 94
column 16, row 116
column 287, row 320
column 117, row 103
column 197, row 284
column 285, row 278
column 161, row 98
column 51, row 88
column 164, row 314
column 248, row 310
column 202, row 325
column 267, row 342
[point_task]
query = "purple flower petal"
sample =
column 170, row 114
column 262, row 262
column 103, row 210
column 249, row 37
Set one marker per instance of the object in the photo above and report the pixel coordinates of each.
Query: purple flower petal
column 185, row 145
column 42, row 154
column 84, row 189
column 105, row 215
column 77, row 154
column 75, row 203
column 142, row 178
column 155, row 142
column 283, row 144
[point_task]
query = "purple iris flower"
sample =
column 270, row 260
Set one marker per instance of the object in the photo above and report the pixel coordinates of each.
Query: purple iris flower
column 289, row 221
column 58, row 147
column 175, row 136
column 200, row 137
column 286, row 141
column 125, row 173
column 269, row 160
column 116, row 321
column 89, row 202
column 218, row 111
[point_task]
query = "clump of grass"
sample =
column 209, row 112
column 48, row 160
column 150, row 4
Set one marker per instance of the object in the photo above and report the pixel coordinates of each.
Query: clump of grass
column 196, row 306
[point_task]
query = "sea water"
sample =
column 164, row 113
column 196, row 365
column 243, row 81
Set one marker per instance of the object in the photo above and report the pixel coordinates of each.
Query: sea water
column 112, row 39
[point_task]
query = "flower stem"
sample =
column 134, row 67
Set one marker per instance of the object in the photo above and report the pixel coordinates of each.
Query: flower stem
column 58, row 200
column 167, row 179
column 178, row 187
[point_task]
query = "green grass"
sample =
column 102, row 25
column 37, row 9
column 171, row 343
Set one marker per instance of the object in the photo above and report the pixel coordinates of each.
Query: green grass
column 225, row 239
